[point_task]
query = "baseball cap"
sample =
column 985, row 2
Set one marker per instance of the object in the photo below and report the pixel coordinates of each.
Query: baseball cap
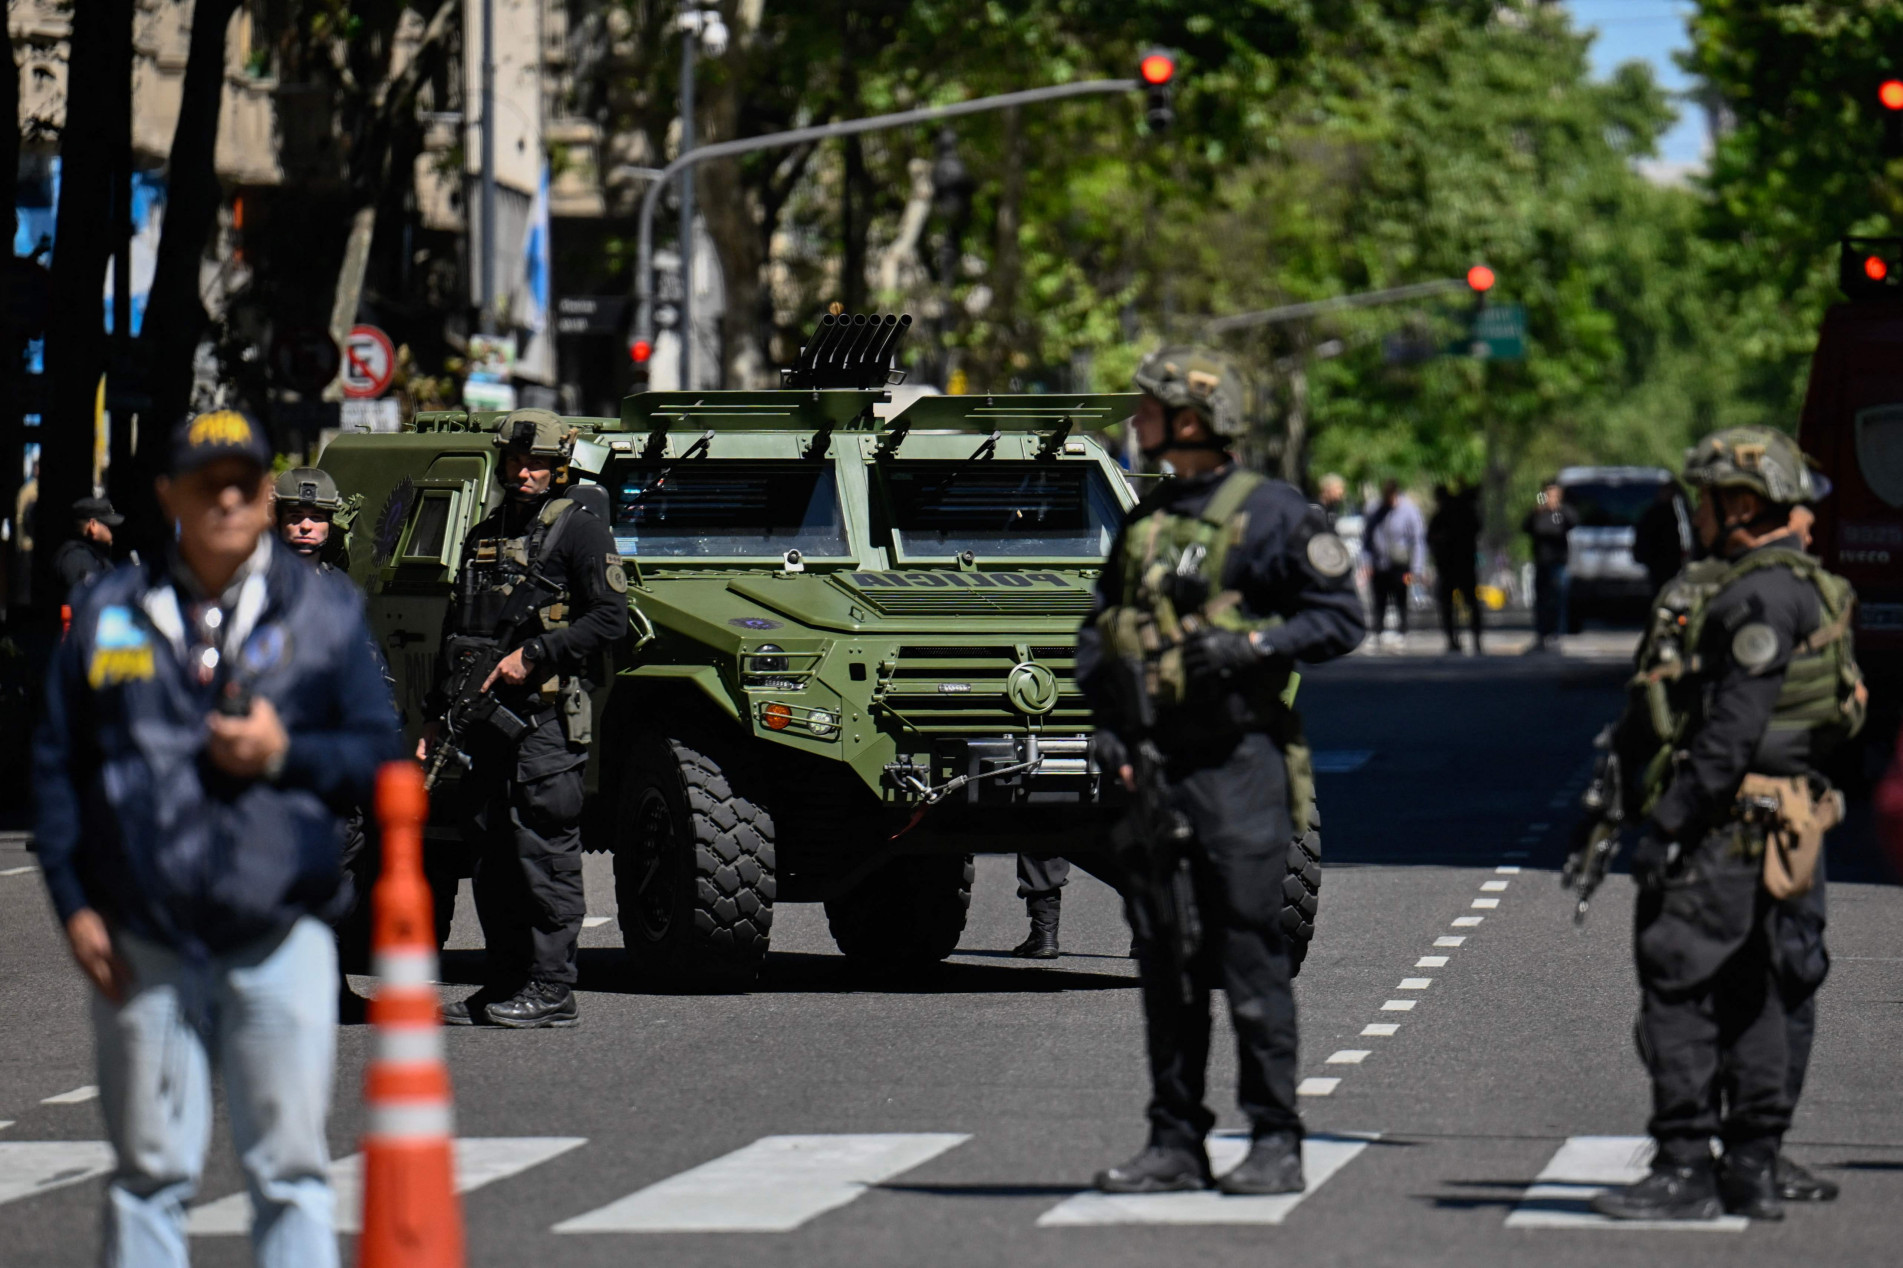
column 219, row 433
column 98, row 509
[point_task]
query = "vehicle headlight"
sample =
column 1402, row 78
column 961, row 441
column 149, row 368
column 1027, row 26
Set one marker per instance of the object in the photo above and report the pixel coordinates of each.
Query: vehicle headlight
column 822, row 723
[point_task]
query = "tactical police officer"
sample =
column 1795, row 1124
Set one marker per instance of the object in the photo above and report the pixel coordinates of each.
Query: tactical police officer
column 1745, row 683
column 526, row 791
column 1218, row 583
column 307, row 507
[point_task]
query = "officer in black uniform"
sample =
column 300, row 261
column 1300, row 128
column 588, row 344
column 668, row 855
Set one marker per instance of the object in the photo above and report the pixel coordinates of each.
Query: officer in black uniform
column 1763, row 687
column 1277, row 590
column 526, row 796
column 307, row 504
column 88, row 553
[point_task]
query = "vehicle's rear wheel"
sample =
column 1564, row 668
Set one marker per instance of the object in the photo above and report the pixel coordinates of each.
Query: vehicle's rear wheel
column 694, row 865
column 1302, row 891
column 908, row 914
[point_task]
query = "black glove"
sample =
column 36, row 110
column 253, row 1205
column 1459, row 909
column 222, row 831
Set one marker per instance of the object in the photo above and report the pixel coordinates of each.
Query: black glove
column 1212, row 655
column 1654, row 856
column 1110, row 752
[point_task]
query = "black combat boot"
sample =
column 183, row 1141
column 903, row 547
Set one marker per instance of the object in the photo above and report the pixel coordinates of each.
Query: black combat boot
column 474, row 1009
column 1158, row 1169
column 1797, row 1184
column 1274, row 1165
column 1042, row 944
column 1747, row 1181
column 537, row 1005
column 1674, row 1191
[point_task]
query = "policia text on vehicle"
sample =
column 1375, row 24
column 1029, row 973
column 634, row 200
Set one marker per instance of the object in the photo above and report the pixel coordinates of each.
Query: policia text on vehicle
column 1217, row 583
column 524, row 797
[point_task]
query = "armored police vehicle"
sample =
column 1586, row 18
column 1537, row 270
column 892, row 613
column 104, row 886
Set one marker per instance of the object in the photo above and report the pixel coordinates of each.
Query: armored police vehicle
column 850, row 666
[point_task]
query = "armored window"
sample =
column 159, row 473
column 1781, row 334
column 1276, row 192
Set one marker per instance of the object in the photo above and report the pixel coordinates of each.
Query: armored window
column 429, row 529
column 724, row 509
column 993, row 509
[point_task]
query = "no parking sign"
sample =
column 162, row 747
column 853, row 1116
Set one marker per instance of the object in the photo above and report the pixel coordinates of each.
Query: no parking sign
column 369, row 363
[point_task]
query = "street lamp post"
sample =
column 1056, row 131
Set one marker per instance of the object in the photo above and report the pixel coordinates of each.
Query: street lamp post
column 644, row 262
column 699, row 28
column 486, row 318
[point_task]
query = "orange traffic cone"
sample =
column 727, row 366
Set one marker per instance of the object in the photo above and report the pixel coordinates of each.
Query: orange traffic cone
column 412, row 1217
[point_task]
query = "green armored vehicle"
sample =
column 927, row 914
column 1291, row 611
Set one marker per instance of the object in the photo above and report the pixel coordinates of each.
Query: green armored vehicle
column 850, row 665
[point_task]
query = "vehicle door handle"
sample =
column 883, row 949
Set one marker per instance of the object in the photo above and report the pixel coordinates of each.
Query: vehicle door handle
column 401, row 639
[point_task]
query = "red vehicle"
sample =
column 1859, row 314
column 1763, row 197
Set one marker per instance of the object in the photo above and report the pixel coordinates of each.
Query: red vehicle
column 1853, row 426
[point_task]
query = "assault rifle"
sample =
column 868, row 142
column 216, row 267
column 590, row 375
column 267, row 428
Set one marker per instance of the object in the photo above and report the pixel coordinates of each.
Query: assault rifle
column 472, row 658
column 1596, row 837
column 1149, row 843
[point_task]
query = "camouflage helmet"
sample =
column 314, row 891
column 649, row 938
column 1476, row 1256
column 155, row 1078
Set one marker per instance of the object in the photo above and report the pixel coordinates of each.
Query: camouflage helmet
column 1195, row 378
column 1761, row 459
column 539, row 432
column 309, row 486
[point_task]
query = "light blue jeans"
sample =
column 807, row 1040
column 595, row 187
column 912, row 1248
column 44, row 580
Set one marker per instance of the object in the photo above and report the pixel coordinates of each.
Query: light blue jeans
column 267, row 1015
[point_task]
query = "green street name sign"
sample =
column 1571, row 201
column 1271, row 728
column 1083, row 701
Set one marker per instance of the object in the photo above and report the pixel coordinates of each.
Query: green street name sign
column 1499, row 333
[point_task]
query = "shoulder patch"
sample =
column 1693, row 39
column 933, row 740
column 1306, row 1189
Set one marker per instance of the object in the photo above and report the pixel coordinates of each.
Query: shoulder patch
column 617, row 575
column 1329, row 555
column 1754, row 647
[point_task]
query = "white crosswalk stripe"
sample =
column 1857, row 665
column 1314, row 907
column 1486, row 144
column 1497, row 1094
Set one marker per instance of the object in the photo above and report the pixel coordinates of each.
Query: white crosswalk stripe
column 1587, row 1165
column 1322, row 1157
column 28, row 1167
column 480, row 1160
column 775, row 1184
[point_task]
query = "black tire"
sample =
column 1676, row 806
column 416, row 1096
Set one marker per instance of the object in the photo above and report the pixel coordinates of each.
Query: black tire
column 694, row 864
column 908, row 914
column 1302, row 892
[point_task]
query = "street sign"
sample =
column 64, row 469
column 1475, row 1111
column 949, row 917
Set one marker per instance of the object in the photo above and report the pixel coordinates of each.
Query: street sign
column 1499, row 333
column 591, row 314
column 305, row 358
column 369, row 363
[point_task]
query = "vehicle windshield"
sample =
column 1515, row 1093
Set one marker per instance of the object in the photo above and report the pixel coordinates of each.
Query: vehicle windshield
column 707, row 508
column 996, row 509
column 1610, row 503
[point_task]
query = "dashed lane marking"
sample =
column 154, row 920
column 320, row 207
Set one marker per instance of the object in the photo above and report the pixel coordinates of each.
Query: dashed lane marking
column 28, row 1167
column 20, row 871
column 1506, row 870
column 1587, row 1165
column 1322, row 1157
column 1494, row 887
column 595, row 922
column 1467, row 922
column 78, row 1096
column 1431, row 962
column 1486, row 904
column 1316, row 1085
column 1450, row 940
column 775, row 1184
column 1415, row 983
column 480, row 1160
column 1398, row 1006
column 1380, row 1028
column 5, row 1123
column 1348, row 1056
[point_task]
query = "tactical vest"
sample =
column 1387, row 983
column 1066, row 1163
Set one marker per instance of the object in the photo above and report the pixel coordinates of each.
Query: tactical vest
column 1172, row 569
column 1820, row 688
column 498, row 564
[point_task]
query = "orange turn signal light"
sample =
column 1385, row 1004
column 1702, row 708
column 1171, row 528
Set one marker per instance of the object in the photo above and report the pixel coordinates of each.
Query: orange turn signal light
column 777, row 716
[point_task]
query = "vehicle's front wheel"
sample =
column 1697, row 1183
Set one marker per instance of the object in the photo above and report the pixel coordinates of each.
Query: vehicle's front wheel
column 907, row 914
column 694, row 864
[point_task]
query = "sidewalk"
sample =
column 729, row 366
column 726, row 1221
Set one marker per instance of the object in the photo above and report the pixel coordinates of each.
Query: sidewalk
column 1508, row 633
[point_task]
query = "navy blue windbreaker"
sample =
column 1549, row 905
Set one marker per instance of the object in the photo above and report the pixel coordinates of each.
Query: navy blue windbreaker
column 134, row 821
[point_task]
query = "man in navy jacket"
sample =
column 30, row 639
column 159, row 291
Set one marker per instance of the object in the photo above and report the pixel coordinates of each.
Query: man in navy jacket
column 210, row 717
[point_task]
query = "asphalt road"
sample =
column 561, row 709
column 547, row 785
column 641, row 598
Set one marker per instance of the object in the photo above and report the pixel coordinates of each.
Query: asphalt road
column 954, row 1121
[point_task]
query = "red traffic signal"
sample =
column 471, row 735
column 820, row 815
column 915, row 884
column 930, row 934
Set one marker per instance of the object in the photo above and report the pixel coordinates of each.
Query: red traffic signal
column 1480, row 278
column 639, row 351
column 1158, row 68
column 1890, row 93
column 1875, row 269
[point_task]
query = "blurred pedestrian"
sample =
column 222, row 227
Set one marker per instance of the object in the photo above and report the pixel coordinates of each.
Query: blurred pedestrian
column 1395, row 546
column 1549, row 524
column 1453, row 538
column 88, row 553
column 1662, row 537
column 207, row 717
column 1332, row 496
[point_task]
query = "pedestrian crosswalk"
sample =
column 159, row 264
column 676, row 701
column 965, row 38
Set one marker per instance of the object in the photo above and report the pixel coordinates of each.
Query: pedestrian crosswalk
column 779, row 1183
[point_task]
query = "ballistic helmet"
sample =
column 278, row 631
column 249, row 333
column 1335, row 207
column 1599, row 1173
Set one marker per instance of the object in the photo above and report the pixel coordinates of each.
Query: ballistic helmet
column 539, row 432
column 1761, row 459
column 309, row 486
column 1195, row 378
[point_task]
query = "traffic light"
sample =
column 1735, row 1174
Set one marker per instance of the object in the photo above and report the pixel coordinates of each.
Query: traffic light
column 1890, row 97
column 1480, row 279
column 639, row 351
column 1157, row 70
column 1871, row 268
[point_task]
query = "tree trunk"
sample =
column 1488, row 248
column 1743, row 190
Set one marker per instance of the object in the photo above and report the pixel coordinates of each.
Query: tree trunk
column 12, row 344
column 175, row 316
column 856, row 197
column 1007, row 262
column 98, row 116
